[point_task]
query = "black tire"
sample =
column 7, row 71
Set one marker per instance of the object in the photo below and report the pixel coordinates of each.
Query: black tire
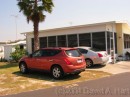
column 23, row 68
column 89, row 63
column 57, row 72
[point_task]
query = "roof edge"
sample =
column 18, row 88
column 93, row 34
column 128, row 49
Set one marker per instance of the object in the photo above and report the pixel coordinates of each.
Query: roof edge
column 75, row 26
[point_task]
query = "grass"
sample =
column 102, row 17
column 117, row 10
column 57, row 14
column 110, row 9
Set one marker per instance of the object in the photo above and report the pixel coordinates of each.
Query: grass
column 12, row 81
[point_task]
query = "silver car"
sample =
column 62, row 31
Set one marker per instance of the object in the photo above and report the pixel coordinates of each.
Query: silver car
column 94, row 57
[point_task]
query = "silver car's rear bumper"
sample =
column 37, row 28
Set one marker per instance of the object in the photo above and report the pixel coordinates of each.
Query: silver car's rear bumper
column 101, row 61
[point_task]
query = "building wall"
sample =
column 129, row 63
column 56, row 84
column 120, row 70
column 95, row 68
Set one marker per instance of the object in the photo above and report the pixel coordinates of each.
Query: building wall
column 1, row 51
column 119, row 28
column 122, row 28
column 120, row 44
column 65, row 31
column 125, row 28
column 7, row 50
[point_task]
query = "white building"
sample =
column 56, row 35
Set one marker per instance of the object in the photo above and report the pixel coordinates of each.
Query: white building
column 9, row 48
column 113, row 37
column 2, row 50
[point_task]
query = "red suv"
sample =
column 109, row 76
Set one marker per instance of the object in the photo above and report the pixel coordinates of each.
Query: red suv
column 58, row 61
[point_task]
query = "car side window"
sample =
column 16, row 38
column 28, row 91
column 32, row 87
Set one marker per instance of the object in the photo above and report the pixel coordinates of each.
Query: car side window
column 44, row 53
column 83, row 51
column 37, row 54
column 50, row 52
column 54, row 52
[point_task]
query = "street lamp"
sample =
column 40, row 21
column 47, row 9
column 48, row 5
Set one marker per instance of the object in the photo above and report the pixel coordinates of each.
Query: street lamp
column 15, row 17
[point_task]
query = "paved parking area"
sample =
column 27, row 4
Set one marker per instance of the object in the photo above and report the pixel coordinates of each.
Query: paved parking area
column 119, row 67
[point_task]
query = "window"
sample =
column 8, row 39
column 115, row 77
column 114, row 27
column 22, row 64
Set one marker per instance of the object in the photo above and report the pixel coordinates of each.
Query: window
column 45, row 53
column 32, row 40
column 43, row 42
column 21, row 47
column 109, row 34
column 85, row 40
column 61, row 41
column 73, row 53
column 115, row 42
column 126, row 41
column 72, row 40
column 83, row 51
column 110, row 42
column 99, row 42
column 37, row 54
column 49, row 52
column 52, row 41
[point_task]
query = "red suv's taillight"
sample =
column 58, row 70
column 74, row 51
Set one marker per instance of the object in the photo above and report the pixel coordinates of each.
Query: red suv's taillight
column 67, row 62
column 100, row 55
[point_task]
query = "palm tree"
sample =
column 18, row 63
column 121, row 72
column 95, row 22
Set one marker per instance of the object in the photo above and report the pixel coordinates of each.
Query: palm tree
column 34, row 11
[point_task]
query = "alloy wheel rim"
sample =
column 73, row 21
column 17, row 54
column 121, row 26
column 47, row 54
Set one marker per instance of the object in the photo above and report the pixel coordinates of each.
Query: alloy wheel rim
column 22, row 68
column 89, row 63
column 56, row 72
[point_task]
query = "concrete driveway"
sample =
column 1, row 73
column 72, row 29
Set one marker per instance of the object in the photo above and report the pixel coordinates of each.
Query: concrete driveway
column 119, row 67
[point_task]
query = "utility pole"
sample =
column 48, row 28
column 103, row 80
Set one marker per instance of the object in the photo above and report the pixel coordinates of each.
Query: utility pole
column 15, row 17
column 113, row 34
column 112, row 42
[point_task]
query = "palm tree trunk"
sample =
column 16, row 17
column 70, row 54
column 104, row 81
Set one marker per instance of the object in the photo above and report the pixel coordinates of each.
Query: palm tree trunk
column 36, row 34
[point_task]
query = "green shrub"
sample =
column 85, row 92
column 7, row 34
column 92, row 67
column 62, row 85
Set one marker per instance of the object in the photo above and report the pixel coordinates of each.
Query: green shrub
column 17, row 54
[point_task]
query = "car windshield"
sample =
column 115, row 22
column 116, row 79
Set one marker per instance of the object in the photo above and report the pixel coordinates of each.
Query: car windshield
column 73, row 53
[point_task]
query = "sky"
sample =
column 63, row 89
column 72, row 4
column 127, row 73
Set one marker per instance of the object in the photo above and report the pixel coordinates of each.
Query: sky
column 65, row 13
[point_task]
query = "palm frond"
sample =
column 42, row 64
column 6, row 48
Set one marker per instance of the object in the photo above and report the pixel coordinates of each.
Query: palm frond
column 33, row 12
column 41, row 16
column 47, row 4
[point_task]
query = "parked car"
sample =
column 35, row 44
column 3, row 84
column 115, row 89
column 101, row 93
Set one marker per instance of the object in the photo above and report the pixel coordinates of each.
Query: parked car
column 93, row 56
column 57, row 61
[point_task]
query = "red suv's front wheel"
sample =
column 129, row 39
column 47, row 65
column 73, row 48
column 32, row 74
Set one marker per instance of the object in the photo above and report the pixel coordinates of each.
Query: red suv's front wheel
column 23, row 67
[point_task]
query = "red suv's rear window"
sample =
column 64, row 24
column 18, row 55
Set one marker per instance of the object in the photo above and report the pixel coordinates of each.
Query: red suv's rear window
column 73, row 53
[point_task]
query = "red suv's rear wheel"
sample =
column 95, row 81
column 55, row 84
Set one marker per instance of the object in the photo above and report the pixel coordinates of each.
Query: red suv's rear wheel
column 57, row 72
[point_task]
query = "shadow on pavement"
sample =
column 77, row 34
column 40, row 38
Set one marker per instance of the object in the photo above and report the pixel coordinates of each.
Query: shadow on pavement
column 96, row 66
column 45, row 76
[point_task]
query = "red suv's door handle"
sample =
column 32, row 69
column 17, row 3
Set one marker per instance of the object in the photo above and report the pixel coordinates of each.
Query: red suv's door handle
column 50, row 60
